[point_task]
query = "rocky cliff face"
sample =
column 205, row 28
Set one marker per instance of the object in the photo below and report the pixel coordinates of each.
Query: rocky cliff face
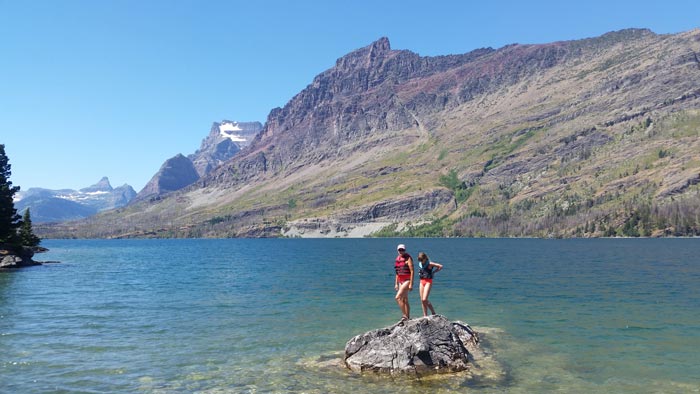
column 367, row 93
column 375, row 90
column 588, row 137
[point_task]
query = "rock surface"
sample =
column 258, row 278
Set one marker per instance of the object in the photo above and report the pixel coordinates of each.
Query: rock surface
column 364, row 220
column 10, row 258
column 421, row 346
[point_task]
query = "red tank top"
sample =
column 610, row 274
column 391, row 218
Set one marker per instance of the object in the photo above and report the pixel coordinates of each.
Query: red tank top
column 401, row 266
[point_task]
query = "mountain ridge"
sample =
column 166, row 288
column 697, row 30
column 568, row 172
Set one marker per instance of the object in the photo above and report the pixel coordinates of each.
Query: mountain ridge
column 525, row 140
column 48, row 205
column 379, row 57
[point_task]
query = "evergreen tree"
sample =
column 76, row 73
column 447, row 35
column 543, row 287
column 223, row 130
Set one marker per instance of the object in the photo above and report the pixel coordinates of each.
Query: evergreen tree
column 9, row 219
column 26, row 234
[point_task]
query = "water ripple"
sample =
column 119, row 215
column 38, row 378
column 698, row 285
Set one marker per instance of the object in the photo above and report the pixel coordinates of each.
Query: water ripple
column 182, row 316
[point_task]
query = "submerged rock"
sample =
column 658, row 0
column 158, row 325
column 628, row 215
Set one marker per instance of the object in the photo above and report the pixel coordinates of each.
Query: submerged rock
column 421, row 346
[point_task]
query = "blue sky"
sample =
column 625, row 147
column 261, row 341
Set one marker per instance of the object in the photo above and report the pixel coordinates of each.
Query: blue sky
column 114, row 88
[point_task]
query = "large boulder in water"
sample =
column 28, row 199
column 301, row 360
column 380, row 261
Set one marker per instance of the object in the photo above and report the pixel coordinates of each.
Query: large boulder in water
column 421, row 346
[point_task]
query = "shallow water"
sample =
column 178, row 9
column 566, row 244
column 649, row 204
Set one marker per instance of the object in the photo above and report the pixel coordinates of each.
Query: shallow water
column 262, row 315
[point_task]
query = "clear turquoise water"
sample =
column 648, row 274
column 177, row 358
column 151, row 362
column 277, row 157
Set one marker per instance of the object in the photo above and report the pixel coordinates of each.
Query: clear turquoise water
column 256, row 315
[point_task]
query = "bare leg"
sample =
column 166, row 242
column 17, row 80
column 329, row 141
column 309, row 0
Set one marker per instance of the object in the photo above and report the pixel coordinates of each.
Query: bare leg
column 408, row 306
column 421, row 290
column 425, row 303
column 402, row 299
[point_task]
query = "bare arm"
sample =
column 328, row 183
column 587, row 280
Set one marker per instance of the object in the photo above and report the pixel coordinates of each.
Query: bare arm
column 409, row 262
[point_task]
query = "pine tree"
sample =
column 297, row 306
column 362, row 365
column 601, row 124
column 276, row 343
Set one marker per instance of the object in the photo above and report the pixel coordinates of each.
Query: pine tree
column 26, row 234
column 9, row 219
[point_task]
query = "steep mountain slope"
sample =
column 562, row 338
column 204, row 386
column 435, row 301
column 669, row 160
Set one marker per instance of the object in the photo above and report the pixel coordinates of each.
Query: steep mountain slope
column 578, row 138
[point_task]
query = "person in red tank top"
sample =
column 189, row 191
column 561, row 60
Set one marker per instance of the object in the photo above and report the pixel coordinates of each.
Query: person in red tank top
column 403, row 282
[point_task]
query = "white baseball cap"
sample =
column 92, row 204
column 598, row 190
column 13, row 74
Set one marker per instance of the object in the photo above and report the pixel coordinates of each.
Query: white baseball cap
column 401, row 246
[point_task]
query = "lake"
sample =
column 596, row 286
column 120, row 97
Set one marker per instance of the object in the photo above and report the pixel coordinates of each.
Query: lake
column 261, row 315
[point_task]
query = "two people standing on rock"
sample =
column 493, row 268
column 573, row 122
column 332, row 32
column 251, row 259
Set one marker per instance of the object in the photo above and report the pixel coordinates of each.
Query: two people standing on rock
column 403, row 282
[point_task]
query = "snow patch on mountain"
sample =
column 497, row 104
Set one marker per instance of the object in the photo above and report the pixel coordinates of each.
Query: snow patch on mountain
column 82, row 196
column 66, row 204
column 228, row 130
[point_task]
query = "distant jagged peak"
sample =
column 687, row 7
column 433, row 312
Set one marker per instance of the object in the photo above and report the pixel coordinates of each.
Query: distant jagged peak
column 366, row 56
column 377, row 48
column 104, row 181
column 381, row 46
column 102, row 185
